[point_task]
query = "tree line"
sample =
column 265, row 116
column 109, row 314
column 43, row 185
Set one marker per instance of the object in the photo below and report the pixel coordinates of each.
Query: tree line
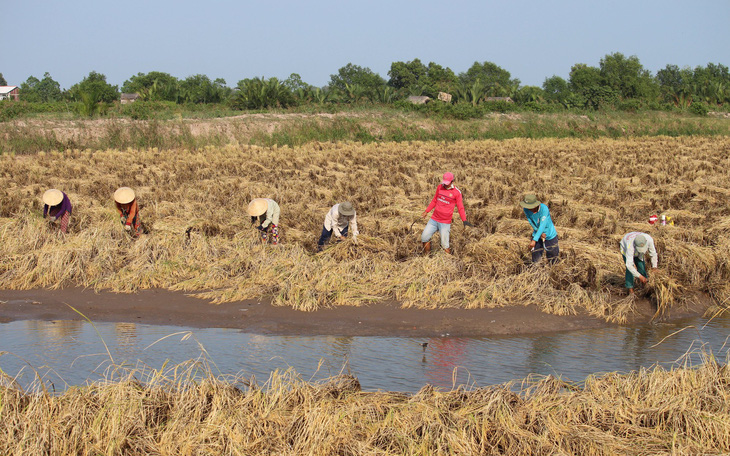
column 618, row 82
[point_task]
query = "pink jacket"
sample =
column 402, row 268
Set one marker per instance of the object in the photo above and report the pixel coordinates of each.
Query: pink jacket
column 444, row 201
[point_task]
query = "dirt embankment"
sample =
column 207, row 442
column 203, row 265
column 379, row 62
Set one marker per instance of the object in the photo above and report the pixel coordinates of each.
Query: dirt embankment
column 161, row 307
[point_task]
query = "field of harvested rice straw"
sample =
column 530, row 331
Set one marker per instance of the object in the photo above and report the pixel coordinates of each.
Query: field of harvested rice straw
column 201, row 240
column 653, row 411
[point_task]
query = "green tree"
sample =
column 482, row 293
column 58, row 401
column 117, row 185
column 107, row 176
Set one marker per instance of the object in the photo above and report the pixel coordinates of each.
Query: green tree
column 200, row 89
column 415, row 78
column 586, row 83
column 259, row 93
column 154, row 86
column 93, row 93
column 354, row 78
column 44, row 90
column 626, row 77
column 557, row 90
column 675, row 85
column 3, row 82
column 529, row 94
column 497, row 81
column 95, row 85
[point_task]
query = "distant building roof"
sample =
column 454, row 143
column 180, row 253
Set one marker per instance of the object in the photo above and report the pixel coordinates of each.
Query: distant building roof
column 507, row 99
column 419, row 99
column 7, row 89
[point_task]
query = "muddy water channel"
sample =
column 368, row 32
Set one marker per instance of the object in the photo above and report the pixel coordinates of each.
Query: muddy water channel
column 71, row 352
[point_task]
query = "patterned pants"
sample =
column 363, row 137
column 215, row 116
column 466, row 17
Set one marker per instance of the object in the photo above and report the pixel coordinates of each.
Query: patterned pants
column 63, row 225
column 274, row 234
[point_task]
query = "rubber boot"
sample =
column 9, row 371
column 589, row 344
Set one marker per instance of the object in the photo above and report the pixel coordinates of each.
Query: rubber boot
column 448, row 250
column 427, row 248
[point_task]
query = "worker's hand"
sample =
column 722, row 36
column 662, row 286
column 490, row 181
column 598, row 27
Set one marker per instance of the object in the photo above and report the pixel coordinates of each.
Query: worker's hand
column 127, row 227
column 469, row 224
column 261, row 228
column 533, row 244
column 424, row 215
column 642, row 279
column 354, row 239
column 123, row 219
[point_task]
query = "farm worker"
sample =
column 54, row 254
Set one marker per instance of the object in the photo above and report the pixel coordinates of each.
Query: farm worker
column 338, row 220
column 633, row 248
column 544, row 236
column 266, row 212
column 57, row 207
column 446, row 198
column 126, row 203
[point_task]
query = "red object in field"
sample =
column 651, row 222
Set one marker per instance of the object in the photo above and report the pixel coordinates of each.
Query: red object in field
column 653, row 219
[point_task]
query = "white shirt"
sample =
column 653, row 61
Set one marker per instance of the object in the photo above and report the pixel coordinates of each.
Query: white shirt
column 336, row 222
column 627, row 249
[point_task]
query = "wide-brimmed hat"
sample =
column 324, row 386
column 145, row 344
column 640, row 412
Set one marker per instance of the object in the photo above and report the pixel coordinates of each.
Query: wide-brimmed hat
column 52, row 197
column 257, row 207
column 124, row 195
column 346, row 209
column 529, row 201
column 448, row 178
column 640, row 243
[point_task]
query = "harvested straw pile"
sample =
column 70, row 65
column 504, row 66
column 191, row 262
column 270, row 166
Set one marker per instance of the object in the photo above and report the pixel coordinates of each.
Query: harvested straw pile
column 201, row 240
column 179, row 411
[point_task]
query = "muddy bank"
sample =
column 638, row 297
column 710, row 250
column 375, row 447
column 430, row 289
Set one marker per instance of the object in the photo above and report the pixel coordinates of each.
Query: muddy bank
column 162, row 307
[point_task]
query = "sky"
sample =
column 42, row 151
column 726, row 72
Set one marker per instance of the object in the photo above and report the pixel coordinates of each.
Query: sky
column 239, row 39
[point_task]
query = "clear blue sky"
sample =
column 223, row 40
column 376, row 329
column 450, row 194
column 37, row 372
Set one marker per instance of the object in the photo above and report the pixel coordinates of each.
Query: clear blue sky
column 230, row 39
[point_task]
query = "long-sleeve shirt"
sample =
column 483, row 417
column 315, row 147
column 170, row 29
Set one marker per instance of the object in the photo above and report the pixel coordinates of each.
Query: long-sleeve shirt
column 129, row 210
column 628, row 250
column 336, row 222
column 272, row 214
column 58, row 210
column 444, row 202
column 541, row 222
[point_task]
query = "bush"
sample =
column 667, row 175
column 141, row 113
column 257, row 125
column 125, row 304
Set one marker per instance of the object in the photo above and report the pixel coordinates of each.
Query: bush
column 12, row 109
column 701, row 109
column 631, row 105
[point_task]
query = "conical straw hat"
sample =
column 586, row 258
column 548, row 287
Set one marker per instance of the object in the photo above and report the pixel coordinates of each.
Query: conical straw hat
column 257, row 207
column 124, row 195
column 52, row 197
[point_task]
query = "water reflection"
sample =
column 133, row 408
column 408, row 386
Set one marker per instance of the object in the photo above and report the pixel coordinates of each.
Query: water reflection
column 71, row 351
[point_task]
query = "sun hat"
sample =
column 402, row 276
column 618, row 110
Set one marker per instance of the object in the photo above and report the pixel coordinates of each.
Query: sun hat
column 124, row 195
column 640, row 243
column 52, row 197
column 529, row 201
column 448, row 178
column 257, row 207
column 346, row 208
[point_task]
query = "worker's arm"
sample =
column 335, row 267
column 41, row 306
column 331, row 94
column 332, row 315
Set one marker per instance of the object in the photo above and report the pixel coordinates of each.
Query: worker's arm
column 432, row 204
column 460, row 206
column 652, row 253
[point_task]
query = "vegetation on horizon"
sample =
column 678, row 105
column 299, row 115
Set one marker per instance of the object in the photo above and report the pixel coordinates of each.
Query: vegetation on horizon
column 183, row 410
column 201, row 240
column 618, row 83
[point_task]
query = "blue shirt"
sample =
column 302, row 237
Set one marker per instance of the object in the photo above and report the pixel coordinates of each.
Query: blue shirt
column 541, row 223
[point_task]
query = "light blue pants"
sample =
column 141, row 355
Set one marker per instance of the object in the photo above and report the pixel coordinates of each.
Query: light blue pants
column 444, row 230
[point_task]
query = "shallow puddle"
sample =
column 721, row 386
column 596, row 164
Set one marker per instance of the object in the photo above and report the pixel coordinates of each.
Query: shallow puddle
column 72, row 352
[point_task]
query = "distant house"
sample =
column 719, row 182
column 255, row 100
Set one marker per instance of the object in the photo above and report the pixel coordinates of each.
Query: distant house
column 419, row 99
column 129, row 98
column 9, row 93
column 505, row 99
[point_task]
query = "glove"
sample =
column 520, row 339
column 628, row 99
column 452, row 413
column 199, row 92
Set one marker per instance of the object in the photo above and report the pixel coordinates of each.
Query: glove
column 466, row 223
column 123, row 219
column 127, row 227
column 261, row 228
